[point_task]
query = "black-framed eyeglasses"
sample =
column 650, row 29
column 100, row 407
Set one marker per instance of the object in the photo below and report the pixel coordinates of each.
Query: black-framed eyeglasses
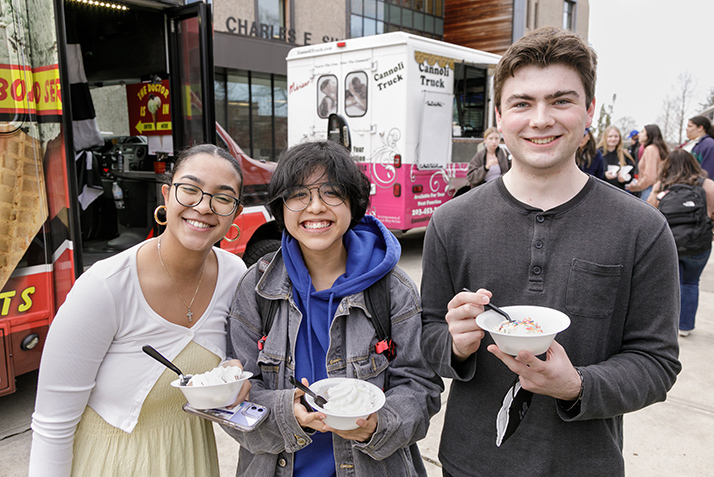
column 298, row 198
column 190, row 195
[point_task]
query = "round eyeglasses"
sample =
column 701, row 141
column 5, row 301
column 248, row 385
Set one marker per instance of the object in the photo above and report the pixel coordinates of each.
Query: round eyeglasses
column 298, row 198
column 190, row 195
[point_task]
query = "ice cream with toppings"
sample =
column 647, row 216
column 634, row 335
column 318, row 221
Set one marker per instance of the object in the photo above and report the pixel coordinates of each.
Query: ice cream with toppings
column 350, row 398
column 519, row 327
column 218, row 375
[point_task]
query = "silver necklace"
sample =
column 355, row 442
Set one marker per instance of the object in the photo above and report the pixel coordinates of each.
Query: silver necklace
column 189, row 313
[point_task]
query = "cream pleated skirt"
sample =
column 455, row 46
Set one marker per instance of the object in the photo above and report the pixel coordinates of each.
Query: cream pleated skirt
column 166, row 441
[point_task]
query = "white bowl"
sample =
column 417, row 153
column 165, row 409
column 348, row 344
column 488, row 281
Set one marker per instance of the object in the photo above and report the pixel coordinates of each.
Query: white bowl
column 551, row 322
column 343, row 422
column 213, row 395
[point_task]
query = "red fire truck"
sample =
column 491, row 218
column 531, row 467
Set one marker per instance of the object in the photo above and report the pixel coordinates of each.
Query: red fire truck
column 71, row 195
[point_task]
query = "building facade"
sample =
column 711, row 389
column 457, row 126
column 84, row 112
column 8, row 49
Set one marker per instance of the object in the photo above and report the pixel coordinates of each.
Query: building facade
column 252, row 39
column 493, row 25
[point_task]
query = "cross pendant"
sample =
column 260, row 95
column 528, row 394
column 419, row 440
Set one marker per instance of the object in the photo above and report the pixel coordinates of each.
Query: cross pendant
column 189, row 314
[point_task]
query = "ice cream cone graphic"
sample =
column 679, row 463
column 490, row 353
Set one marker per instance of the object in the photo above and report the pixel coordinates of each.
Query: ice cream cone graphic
column 153, row 105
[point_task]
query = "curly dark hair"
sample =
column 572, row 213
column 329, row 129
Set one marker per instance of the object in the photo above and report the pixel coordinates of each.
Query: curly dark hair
column 299, row 162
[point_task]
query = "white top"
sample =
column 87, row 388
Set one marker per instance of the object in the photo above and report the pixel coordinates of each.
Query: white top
column 93, row 354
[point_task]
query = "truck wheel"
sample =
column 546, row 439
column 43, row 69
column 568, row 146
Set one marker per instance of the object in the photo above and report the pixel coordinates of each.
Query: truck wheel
column 258, row 249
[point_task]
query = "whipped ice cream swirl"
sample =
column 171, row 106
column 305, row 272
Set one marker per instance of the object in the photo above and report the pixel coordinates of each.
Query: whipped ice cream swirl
column 350, row 398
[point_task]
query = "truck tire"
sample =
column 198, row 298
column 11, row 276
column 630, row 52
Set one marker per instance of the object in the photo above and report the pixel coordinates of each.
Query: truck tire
column 258, row 249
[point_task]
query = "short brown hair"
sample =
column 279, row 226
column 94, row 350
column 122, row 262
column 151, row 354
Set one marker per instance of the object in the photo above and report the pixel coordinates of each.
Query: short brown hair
column 544, row 47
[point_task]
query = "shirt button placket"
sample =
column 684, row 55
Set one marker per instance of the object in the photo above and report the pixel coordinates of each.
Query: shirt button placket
column 537, row 255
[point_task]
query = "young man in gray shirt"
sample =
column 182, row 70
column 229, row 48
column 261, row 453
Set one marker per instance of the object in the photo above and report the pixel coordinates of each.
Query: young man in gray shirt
column 547, row 234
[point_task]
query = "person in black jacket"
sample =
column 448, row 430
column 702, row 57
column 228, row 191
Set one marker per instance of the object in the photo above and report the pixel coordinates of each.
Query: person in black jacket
column 619, row 165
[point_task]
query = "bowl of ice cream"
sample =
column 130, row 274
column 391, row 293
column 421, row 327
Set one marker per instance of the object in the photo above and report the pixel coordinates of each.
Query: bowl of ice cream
column 533, row 328
column 218, row 387
column 347, row 400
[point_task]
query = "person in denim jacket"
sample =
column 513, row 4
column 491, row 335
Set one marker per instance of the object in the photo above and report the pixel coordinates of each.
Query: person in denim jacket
column 331, row 252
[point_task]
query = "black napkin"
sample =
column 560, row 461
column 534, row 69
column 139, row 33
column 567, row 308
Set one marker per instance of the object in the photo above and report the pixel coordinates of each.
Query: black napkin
column 515, row 405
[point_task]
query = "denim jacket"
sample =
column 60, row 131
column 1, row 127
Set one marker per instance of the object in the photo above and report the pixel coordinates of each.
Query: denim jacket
column 412, row 388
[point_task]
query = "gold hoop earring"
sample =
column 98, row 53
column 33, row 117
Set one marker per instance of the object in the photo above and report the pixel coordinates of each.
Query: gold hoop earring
column 156, row 214
column 237, row 236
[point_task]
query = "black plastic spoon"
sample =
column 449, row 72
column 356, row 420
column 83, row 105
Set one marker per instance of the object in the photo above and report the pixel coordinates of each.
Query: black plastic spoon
column 161, row 359
column 319, row 400
column 493, row 307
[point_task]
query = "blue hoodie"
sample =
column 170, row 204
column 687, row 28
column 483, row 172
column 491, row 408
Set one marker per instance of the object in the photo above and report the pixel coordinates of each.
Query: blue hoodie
column 372, row 252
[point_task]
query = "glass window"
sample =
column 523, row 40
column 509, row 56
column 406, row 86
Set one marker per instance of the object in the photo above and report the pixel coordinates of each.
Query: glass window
column 470, row 99
column 272, row 14
column 326, row 95
column 238, row 109
column 418, row 21
column 355, row 26
column 219, row 87
column 253, row 112
column 280, row 94
column 357, row 6
column 370, row 27
column 370, row 8
column 381, row 10
column 356, row 94
column 429, row 6
column 568, row 14
column 262, row 110
column 407, row 18
column 395, row 15
column 429, row 24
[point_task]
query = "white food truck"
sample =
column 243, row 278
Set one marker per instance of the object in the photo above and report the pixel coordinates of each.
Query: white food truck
column 411, row 109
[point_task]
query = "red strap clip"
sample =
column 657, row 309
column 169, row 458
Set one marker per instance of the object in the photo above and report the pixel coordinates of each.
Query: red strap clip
column 387, row 347
column 261, row 342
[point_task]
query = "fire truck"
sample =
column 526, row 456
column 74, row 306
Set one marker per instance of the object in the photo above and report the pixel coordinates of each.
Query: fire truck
column 71, row 194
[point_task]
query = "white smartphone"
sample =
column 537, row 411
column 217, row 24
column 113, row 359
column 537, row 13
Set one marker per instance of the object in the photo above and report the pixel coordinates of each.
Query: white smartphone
column 244, row 417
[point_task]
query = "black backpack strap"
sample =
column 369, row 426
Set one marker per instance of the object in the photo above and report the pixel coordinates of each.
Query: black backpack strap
column 378, row 300
column 267, row 308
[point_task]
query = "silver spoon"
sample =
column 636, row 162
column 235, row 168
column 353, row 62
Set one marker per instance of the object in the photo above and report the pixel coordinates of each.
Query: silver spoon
column 319, row 400
column 493, row 307
column 161, row 359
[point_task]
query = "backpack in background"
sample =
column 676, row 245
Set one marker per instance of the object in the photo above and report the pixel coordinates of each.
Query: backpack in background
column 685, row 208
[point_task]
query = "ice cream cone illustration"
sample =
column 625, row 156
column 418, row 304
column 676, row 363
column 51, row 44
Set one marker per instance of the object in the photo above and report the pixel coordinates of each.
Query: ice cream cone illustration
column 153, row 105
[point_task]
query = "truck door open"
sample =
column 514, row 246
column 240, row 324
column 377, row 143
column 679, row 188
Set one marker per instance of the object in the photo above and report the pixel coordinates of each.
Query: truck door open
column 191, row 75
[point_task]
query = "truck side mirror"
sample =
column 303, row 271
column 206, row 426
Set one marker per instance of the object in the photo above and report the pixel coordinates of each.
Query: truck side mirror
column 338, row 131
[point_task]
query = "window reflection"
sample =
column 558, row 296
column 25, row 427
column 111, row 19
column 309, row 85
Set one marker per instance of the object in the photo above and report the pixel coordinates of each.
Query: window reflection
column 423, row 17
column 326, row 95
column 356, row 94
column 253, row 109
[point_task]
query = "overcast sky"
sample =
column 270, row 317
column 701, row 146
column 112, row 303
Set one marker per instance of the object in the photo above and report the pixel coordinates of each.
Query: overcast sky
column 643, row 46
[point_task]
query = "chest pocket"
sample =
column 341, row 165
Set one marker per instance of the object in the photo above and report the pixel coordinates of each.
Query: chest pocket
column 372, row 368
column 592, row 289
